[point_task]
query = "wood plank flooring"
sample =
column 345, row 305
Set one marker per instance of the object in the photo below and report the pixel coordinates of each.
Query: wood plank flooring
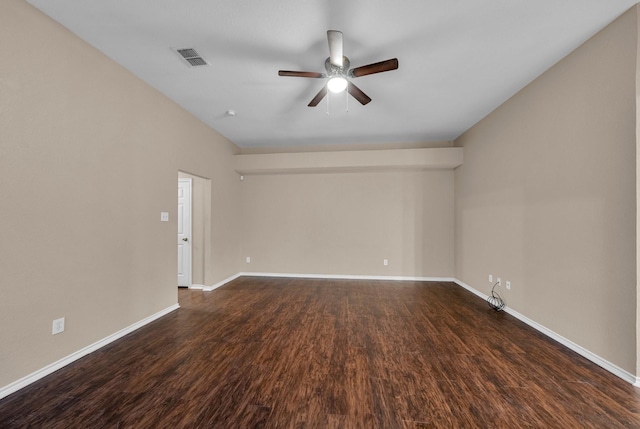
column 294, row 353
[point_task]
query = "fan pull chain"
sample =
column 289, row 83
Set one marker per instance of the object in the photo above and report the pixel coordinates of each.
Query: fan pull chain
column 328, row 97
column 346, row 93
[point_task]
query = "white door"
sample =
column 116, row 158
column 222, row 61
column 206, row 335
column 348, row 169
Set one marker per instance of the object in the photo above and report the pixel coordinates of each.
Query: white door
column 184, row 232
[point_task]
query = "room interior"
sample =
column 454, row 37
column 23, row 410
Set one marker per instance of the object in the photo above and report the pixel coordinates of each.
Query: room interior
column 540, row 191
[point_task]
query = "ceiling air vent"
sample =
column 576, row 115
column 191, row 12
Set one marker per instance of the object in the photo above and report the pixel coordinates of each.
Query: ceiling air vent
column 192, row 56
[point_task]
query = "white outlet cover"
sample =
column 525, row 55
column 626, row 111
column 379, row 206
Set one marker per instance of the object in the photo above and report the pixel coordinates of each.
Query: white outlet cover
column 490, row 278
column 164, row 216
column 508, row 283
column 248, row 259
column 385, row 262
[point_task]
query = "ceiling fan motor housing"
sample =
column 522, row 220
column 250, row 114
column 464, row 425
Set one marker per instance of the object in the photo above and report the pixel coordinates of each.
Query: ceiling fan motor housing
column 333, row 70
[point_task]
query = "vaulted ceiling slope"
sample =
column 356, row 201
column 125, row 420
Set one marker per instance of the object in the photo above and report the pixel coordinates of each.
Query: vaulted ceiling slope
column 458, row 60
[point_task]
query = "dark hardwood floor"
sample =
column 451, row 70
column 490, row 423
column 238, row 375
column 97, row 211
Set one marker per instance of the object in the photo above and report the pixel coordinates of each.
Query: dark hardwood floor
column 293, row 353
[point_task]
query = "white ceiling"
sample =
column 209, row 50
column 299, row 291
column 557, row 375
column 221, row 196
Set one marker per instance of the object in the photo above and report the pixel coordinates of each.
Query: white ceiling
column 459, row 59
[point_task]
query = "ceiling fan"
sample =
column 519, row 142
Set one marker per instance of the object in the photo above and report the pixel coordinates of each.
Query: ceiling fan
column 338, row 72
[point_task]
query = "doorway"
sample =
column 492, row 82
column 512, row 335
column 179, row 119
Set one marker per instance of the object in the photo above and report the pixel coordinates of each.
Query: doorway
column 199, row 241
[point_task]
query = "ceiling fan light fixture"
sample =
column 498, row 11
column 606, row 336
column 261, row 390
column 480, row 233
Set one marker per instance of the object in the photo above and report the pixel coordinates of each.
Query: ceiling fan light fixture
column 337, row 84
column 339, row 73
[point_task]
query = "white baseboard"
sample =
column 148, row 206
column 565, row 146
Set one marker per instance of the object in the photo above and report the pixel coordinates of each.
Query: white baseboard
column 37, row 375
column 470, row 289
column 612, row 368
column 197, row 286
column 326, row 276
column 347, row 277
column 222, row 282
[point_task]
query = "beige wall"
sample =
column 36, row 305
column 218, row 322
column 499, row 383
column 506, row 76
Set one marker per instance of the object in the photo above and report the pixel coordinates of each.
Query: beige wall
column 89, row 157
column 546, row 197
column 347, row 223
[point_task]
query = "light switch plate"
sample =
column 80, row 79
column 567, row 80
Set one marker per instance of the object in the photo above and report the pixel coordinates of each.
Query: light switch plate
column 58, row 326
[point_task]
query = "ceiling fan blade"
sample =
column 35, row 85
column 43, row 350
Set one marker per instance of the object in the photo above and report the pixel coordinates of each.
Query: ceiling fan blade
column 358, row 94
column 335, row 47
column 300, row 74
column 319, row 96
column 380, row 67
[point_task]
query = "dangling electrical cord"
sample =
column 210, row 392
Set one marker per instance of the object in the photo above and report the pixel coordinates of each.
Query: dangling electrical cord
column 495, row 301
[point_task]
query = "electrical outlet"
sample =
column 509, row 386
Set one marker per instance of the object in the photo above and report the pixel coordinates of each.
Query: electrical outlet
column 490, row 278
column 499, row 281
column 248, row 260
column 385, row 262
column 164, row 216
column 58, row 326
column 508, row 284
